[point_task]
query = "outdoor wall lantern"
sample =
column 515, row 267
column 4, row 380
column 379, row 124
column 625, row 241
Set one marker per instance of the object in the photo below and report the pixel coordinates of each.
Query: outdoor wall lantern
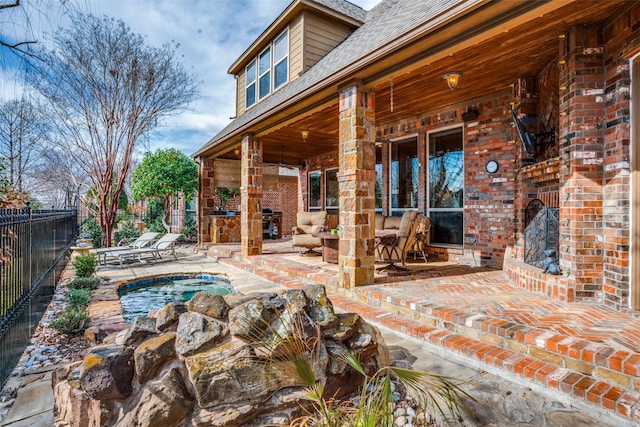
column 452, row 79
column 305, row 134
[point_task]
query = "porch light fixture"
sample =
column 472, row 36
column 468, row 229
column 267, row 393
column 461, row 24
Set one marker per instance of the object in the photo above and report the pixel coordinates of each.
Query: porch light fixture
column 452, row 79
column 305, row 134
column 236, row 151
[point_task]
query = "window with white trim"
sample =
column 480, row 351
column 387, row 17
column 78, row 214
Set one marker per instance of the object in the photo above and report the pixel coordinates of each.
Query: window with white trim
column 250, row 84
column 264, row 73
column 281, row 60
column 315, row 185
column 331, row 189
column 268, row 71
column 446, row 186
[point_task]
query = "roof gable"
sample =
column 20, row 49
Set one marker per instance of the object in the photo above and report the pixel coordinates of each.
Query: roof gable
column 388, row 21
column 340, row 10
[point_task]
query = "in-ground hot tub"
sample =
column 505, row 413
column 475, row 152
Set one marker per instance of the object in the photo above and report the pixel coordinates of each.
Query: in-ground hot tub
column 139, row 297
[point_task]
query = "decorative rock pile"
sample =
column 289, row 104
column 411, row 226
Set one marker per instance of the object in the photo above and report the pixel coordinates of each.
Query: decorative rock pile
column 217, row 361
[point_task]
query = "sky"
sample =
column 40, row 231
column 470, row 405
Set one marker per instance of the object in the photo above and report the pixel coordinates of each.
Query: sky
column 211, row 34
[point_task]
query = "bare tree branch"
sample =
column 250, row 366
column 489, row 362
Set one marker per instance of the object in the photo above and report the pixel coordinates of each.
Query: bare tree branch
column 7, row 6
column 106, row 89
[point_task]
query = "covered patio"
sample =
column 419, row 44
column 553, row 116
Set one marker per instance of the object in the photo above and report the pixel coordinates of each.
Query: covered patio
column 359, row 104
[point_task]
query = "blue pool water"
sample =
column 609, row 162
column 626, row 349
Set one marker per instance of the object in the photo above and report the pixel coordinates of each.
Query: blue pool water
column 138, row 298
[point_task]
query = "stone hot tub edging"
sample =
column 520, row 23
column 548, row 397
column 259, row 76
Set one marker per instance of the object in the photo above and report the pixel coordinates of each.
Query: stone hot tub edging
column 105, row 310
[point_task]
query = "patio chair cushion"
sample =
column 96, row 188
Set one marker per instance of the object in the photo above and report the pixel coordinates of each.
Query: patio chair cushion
column 307, row 224
column 383, row 222
column 311, row 222
column 395, row 248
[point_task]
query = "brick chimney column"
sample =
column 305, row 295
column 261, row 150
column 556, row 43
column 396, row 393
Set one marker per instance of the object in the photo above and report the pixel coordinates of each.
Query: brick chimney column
column 251, row 193
column 356, row 180
column 582, row 79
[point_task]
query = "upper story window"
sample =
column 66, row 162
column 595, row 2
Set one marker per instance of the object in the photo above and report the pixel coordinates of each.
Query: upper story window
column 250, row 83
column 264, row 71
column 281, row 60
column 268, row 71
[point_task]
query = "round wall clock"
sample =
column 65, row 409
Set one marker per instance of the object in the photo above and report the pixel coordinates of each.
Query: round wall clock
column 491, row 166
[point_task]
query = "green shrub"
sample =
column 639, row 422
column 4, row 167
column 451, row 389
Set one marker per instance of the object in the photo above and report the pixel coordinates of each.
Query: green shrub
column 72, row 321
column 79, row 298
column 84, row 283
column 127, row 232
column 189, row 228
column 85, row 265
column 90, row 227
column 155, row 213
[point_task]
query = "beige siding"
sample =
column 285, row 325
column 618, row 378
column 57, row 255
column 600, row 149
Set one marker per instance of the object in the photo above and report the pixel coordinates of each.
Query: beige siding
column 296, row 47
column 321, row 35
column 240, row 94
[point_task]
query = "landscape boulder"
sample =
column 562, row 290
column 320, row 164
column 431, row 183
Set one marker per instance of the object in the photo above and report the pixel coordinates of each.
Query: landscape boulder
column 219, row 361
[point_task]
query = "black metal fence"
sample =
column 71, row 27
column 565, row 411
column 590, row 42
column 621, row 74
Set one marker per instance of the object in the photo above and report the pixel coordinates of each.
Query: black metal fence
column 32, row 257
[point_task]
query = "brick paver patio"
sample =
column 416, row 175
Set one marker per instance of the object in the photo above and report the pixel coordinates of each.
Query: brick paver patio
column 589, row 352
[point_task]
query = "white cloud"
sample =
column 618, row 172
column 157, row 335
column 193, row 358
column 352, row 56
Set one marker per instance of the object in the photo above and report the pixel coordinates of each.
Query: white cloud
column 211, row 35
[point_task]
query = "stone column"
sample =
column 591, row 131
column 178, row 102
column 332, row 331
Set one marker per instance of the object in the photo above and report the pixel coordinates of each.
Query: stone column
column 356, row 180
column 251, row 193
column 205, row 199
column 582, row 77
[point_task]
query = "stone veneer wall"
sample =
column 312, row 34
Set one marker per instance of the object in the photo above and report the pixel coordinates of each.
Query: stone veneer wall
column 225, row 229
column 284, row 199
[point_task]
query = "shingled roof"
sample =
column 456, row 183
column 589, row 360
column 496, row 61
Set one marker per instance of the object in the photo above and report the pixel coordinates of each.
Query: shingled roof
column 345, row 7
column 385, row 23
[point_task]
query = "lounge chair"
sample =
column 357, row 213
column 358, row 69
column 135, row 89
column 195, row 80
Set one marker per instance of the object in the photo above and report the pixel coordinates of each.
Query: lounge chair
column 145, row 239
column 164, row 244
column 307, row 224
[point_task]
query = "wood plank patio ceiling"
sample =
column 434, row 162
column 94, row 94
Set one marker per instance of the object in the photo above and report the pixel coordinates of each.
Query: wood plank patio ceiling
column 488, row 67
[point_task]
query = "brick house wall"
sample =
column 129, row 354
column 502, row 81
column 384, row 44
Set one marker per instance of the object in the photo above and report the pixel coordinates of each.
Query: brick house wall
column 489, row 199
column 621, row 44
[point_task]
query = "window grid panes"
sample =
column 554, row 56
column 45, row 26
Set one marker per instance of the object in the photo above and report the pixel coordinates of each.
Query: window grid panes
column 446, row 186
column 281, row 60
column 269, row 71
column 264, row 70
column 250, row 84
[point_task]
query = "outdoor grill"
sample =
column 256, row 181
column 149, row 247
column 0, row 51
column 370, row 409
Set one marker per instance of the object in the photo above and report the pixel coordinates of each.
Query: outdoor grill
column 269, row 228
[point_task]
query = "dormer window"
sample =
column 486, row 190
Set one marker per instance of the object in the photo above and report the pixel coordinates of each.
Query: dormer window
column 268, row 71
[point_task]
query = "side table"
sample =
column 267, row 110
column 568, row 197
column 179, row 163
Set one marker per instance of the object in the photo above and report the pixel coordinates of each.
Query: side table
column 330, row 246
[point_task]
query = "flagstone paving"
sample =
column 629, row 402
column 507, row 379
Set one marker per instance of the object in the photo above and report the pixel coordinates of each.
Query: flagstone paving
column 587, row 353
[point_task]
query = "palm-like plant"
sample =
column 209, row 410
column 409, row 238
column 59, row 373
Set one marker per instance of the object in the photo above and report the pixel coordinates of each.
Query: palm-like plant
column 288, row 348
column 374, row 407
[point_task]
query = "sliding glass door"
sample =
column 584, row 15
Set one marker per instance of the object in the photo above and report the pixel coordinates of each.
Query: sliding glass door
column 446, row 186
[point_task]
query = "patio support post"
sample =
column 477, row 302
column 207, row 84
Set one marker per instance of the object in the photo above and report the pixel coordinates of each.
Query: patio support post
column 356, row 180
column 582, row 100
column 251, row 193
column 205, row 200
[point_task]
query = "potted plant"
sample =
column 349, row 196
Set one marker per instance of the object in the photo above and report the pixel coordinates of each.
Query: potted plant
column 225, row 194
